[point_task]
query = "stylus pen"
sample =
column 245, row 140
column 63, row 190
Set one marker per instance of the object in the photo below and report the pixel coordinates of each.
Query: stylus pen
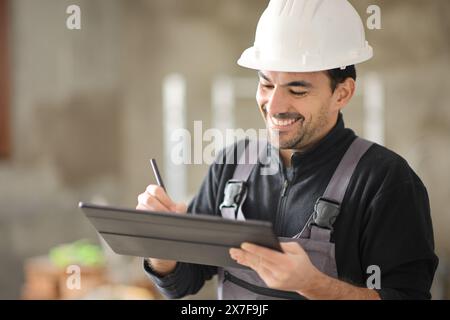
column 156, row 173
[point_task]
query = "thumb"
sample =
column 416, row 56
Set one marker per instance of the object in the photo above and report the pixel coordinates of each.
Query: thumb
column 291, row 247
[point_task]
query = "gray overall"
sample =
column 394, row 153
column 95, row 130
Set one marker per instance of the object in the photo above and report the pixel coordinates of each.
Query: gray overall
column 237, row 283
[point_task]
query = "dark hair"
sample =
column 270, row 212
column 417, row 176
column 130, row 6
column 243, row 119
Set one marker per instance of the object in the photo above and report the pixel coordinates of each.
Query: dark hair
column 338, row 75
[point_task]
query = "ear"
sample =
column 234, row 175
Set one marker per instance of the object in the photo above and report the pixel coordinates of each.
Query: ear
column 343, row 93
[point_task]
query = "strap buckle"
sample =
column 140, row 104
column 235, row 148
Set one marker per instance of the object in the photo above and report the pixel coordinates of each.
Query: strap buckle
column 325, row 213
column 234, row 191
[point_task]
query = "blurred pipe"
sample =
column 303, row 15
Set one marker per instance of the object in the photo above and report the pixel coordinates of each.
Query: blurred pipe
column 225, row 91
column 374, row 106
column 223, row 102
column 174, row 118
column 5, row 89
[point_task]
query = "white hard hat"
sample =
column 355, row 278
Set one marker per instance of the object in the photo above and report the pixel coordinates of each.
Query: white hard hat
column 306, row 36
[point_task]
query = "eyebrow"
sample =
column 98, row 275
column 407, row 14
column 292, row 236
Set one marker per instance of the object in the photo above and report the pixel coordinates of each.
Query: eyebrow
column 298, row 83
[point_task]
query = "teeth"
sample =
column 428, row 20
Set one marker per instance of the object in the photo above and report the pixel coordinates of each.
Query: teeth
column 282, row 123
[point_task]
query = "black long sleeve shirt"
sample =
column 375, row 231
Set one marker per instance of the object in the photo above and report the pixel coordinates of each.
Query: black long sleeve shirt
column 384, row 219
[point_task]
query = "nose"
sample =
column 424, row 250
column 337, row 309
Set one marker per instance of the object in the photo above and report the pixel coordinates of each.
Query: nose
column 276, row 102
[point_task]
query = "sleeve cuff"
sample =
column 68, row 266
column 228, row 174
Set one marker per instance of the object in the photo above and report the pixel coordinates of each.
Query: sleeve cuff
column 168, row 280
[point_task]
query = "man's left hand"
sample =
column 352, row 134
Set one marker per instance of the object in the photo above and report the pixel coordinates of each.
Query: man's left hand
column 290, row 270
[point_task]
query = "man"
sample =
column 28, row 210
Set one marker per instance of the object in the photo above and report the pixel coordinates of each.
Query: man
column 305, row 52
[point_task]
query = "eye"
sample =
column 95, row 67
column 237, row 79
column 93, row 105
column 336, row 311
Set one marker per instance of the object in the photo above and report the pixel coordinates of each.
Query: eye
column 266, row 86
column 298, row 93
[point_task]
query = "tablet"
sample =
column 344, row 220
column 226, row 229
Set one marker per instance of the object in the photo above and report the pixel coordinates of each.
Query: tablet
column 193, row 238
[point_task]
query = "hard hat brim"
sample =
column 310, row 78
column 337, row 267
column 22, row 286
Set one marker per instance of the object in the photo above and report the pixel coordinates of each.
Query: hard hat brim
column 251, row 59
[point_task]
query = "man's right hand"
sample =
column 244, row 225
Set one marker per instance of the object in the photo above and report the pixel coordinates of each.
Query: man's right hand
column 155, row 198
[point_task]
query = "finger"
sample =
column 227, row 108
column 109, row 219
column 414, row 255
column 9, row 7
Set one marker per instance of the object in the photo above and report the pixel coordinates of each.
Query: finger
column 266, row 273
column 145, row 202
column 244, row 258
column 180, row 208
column 291, row 247
column 252, row 260
column 141, row 207
column 159, row 193
column 267, row 254
column 151, row 203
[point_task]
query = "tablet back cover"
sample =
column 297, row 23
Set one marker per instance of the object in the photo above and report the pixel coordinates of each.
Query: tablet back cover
column 189, row 238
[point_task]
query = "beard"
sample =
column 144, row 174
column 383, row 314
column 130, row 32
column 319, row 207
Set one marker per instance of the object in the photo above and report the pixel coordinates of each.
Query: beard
column 303, row 133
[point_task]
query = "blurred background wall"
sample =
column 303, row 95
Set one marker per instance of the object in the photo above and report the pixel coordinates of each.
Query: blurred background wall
column 85, row 109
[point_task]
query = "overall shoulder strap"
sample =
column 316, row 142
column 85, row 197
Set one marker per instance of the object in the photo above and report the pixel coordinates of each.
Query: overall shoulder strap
column 327, row 207
column 236, row 188
column 338, row 184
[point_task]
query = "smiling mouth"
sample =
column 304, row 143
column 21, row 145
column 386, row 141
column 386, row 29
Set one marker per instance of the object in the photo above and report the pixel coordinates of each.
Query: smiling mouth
column 282, row 124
